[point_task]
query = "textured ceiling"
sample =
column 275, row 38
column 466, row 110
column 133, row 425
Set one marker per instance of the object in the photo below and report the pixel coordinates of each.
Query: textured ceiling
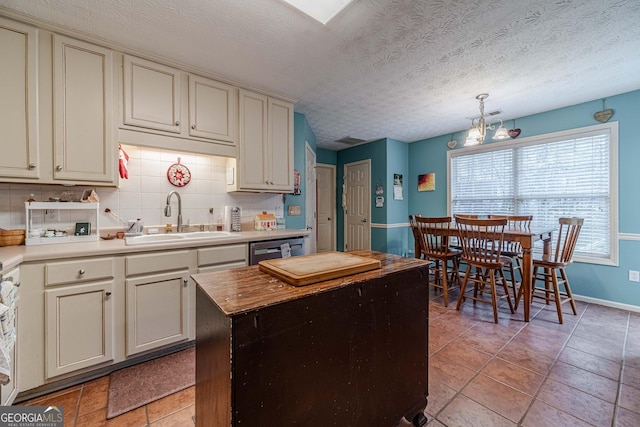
column 404, row 69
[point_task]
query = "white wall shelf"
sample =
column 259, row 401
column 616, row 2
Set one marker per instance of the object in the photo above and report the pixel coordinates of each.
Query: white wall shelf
column 46, row 216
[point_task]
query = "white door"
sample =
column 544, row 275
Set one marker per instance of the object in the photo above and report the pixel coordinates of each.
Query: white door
column 357, row 222
column 326, row 177
column 310, row 196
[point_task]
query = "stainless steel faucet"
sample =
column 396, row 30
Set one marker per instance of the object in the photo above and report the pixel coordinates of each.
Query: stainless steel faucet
column 167, row 208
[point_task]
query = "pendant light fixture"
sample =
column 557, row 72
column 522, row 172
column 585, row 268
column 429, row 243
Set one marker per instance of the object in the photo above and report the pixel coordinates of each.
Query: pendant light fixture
column 479, row 126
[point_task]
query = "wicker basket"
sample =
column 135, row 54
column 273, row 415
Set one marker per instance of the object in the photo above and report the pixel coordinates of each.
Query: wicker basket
column 11, row 237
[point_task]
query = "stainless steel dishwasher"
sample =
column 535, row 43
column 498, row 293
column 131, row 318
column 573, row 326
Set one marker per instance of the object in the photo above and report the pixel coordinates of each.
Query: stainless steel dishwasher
column 272, row 249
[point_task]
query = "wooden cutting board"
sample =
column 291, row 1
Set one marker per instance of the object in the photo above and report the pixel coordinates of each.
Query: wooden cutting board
column 308, row 269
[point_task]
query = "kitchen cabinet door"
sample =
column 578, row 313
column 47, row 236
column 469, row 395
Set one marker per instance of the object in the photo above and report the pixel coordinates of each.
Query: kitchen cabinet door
column 83, row 145
column 157, row 308
column 280, row 145
column 151, row 95
column 79, row 326
column 212, row 109
column 252, row 168
column 265, row 146
column 18, row 110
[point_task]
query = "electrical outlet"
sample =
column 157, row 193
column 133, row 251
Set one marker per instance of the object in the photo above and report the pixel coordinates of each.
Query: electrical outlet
column 634, row 276
column 50, row 215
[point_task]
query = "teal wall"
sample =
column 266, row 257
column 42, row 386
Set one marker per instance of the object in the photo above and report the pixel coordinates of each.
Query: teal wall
column 397, row 210
column 591, row 280
column 376, row 151
column 387, row 157
column 327, row 157
column 301, row 132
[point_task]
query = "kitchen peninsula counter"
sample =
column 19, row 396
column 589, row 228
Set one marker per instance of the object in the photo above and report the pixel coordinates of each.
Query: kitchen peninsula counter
column 346, row 351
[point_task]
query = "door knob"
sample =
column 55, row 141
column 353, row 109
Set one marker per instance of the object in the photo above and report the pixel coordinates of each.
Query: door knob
column 363, row 220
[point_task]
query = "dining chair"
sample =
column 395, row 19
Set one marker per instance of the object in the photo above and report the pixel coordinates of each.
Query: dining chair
column 545, row 283
column 433, row 237
column 513, row 250
column 482, row 241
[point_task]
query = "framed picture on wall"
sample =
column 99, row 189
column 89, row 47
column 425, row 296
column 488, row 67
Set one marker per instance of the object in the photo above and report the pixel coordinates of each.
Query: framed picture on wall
column 427, row 182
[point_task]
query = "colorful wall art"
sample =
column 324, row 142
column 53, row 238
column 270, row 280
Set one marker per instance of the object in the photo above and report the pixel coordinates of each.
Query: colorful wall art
column 427, row 182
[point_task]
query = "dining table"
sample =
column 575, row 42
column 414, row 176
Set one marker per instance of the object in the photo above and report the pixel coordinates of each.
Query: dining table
column 526, row 237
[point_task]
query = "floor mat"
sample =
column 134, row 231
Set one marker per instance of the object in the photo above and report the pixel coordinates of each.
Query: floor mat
column 135, row 386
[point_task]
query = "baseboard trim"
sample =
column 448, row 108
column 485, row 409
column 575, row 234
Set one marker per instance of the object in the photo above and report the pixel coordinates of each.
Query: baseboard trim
column 607, row 303
column 397, row 225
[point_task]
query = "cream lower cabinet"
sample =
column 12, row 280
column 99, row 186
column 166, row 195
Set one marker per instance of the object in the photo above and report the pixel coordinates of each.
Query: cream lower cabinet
column 78, row 332
column 157, row 311
column 220, row 258
column 157, row 300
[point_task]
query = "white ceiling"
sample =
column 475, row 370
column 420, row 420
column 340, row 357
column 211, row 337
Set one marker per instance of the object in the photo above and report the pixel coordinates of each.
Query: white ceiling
column 404, row 69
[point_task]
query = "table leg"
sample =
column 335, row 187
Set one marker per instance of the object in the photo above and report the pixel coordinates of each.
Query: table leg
column 527, row 277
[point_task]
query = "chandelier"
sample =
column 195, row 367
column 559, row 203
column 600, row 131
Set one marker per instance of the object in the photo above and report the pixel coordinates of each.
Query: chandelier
column 478, row 131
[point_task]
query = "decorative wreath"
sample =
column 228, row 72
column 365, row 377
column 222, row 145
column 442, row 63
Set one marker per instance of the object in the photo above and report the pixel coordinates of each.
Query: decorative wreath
column 178, row 174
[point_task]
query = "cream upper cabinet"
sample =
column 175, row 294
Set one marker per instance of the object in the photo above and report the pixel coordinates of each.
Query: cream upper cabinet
column 18, row 109
column 151, row 95
column 83, row 145
column 280, row 144
column 169, row 108
column 265, row 146
column 212, row 109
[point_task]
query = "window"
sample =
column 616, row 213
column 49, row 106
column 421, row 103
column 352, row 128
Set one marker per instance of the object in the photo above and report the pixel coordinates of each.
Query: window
column 565, row 174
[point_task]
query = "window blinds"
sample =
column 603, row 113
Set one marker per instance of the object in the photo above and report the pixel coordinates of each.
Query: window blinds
column 549, row 178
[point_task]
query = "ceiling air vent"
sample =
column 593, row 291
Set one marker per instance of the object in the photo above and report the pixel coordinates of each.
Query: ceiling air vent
column 350, row 141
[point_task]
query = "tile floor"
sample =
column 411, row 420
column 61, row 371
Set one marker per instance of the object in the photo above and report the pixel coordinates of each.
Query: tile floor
column 585, row 372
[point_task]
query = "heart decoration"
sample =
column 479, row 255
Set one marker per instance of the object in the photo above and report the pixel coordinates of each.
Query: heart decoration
column 604, row 115
column 452, row 143
column 513, row 133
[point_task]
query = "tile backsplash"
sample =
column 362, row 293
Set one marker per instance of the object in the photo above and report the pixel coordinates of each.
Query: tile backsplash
column 144, row 194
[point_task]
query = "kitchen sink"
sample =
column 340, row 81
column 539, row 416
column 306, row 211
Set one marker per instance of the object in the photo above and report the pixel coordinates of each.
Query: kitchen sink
column 206, row 234
column 148, row 239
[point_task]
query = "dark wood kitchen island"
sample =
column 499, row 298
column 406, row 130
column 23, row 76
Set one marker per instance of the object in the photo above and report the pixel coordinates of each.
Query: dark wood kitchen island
column 344, row 352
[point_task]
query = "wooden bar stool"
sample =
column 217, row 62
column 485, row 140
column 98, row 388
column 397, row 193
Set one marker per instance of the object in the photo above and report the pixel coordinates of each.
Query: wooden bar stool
column 482, row 241
column 433, row 237
column 546, row 268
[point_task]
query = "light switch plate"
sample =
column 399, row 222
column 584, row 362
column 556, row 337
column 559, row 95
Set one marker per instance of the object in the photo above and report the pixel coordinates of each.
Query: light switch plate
column 295, row 210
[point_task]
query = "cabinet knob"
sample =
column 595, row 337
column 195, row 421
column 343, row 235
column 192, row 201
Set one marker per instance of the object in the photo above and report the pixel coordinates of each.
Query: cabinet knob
column 58, row 168
column 108, row 294
column 177, row 122
column 193, row 126
column 81, row 271
column 185, row 281
column 32, row 166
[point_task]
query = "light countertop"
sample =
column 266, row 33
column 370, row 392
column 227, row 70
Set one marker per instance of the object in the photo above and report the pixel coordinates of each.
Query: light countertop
column 11, row 256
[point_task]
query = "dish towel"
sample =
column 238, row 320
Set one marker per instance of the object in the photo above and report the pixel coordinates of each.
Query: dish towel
column 123, row 160
column 7, row 328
